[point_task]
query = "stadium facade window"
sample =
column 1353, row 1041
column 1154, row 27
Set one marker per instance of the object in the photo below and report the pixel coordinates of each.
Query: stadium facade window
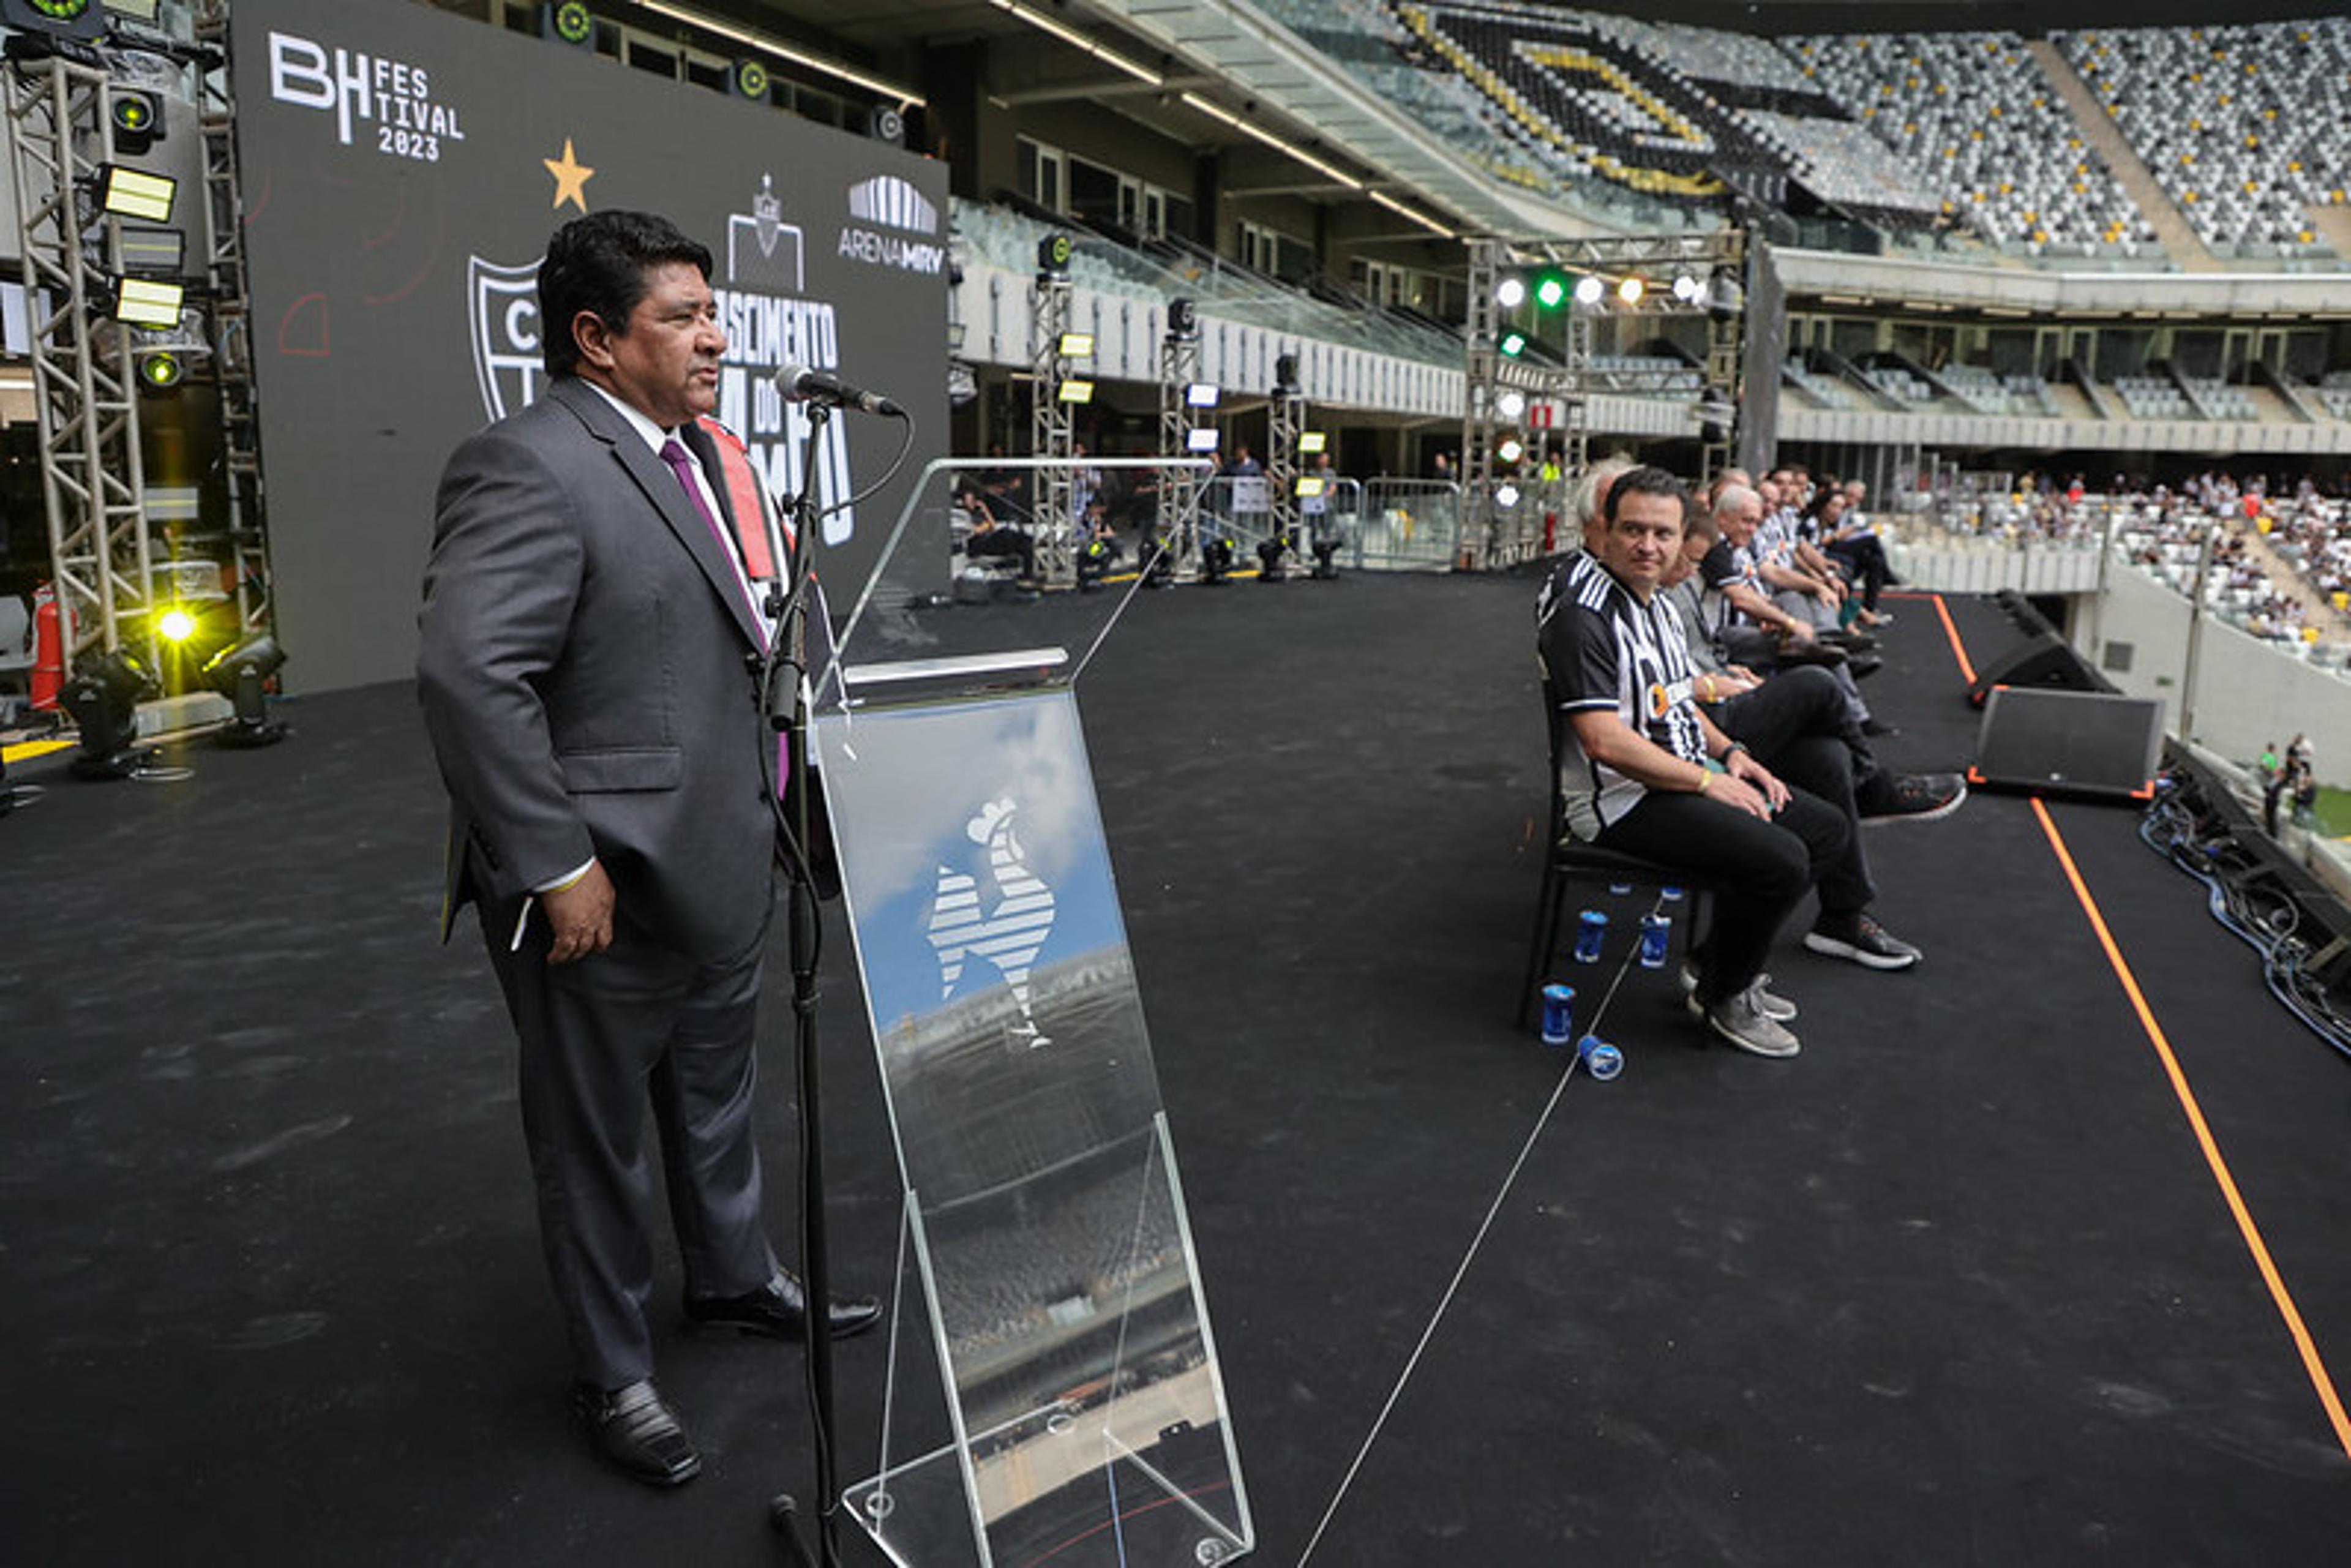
column 1043, row 174
column 1269, row 250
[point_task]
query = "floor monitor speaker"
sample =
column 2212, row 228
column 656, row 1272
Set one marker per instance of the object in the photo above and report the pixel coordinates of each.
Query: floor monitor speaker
column 2074, row 742
column 2043, row 659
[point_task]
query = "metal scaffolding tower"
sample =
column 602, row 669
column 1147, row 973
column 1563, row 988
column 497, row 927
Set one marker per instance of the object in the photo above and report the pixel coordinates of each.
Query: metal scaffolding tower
column 1052, row 428
column 232, row 342
column 58, row 112
column 1285, row 423
column 1679, row 275
column 1179, row 486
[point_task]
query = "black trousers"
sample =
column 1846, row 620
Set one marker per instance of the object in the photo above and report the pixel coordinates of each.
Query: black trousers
column 1760, row 870
column 1801, row 700
column 1866, row 557
column 1003, row 540
column 601, row 1037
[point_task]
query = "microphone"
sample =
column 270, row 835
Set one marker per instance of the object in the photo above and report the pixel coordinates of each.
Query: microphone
column 800, row 383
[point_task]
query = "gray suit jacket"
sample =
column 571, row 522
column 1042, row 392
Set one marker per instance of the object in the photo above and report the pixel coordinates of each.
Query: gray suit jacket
column 584, row 679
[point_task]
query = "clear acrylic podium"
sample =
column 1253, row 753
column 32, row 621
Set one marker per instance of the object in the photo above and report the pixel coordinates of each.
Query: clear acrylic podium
column 1054, row 1393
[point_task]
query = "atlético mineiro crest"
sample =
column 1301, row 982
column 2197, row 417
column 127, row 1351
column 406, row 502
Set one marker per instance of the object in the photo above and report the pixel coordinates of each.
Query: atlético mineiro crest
column 502, row 308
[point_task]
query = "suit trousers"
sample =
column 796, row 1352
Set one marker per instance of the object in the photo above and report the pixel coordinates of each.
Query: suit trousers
column 601, row 1037
column 1760, row 870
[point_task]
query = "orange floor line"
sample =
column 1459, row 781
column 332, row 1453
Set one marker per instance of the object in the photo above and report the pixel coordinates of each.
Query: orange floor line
column 2311, row 1362
column 1958, row 649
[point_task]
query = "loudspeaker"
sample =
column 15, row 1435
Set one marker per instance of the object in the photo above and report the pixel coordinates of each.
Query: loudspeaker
column 2074, row 743
column 2043, row 660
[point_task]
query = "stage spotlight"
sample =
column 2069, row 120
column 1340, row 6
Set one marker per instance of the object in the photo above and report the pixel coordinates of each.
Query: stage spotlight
column 176, row 624
column 1053, row 253
column 240, row 673
column 136, row 193
column 1285, row 375
column 571, row 22
column 1506, row 495
column 1510, row 404
column 1074, row 391
column 1550, row 290
column 1201, row 394
column 1687, row 289
column 1511, row 292
column 1512, row 344
column 1630, row 289
column 1510, row 449
column 1094, row 564
column 1075, row 346
column 1589, row 290
column 161, row 370
column 1269, row 561
column 1308, row 487
column 144, row 302
column 1183, row 318
column 1201, row 439
column 1326, row 562
column 1311, row 442
column 1216, row 561
column 136, row 118
column 104, row 703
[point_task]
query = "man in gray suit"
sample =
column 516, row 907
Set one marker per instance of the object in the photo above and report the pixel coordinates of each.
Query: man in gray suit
column 586, row 633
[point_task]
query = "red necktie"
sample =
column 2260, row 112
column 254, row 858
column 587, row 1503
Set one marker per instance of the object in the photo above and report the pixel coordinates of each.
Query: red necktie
column 681, row 463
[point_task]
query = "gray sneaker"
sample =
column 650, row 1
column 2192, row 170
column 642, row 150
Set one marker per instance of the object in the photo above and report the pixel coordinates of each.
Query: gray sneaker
column 1778, row 1009
column 1908, row 796
column 1738, row 1020
column 1862, row 940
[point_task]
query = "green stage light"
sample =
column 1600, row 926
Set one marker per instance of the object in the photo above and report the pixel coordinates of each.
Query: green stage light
column 161, row 370
column 1550, row 290
column 1512, row 344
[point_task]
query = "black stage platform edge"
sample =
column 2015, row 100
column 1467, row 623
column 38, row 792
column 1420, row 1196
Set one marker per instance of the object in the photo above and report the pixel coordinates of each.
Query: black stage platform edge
column 1956, row 1286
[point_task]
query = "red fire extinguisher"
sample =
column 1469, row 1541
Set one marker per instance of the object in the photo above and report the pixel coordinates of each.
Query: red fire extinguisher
column 48, row 648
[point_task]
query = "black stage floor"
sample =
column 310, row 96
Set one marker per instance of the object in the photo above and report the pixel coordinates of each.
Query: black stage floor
column 1958, row 1285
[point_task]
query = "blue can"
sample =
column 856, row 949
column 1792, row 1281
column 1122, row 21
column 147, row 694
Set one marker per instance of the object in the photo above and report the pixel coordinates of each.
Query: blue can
column 1600, row 1059
column 1657, row 930
column 1558, row 1014
column 1620, row 889
column 1590, row 931
column 1670, row 894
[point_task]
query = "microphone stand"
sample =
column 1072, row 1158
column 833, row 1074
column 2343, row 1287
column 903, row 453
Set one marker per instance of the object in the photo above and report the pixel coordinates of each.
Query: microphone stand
column 783, row 697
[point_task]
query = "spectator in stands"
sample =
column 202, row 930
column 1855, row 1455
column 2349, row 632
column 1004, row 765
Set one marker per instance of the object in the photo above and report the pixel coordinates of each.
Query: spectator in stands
column 1635, row 755
column 1243, row 465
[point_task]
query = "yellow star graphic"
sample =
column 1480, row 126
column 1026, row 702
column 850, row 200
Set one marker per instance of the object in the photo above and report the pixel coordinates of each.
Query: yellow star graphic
column 571, row 178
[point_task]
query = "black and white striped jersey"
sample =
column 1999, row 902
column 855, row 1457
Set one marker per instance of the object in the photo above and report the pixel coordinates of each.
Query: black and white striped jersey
column 1604, row 649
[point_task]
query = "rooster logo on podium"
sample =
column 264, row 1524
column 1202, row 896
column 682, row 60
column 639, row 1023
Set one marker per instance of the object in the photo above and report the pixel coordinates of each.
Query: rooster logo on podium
column 1006, row 922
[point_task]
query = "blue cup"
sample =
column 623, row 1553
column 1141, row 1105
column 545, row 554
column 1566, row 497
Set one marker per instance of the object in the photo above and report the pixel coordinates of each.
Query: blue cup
column 1590, row 931
column 1558, row 1014
column 1601, row 1059
column 1657, row 930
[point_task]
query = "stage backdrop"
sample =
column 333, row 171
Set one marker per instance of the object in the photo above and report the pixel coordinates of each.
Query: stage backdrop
column 401, row 171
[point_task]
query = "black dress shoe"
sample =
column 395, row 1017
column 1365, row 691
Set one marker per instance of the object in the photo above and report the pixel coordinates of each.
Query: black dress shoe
column 635, row 1430
column 779, row 1310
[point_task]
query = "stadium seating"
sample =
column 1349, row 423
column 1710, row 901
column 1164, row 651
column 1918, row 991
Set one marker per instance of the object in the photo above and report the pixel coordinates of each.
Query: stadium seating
column 2245, row 127
column 1974, row 115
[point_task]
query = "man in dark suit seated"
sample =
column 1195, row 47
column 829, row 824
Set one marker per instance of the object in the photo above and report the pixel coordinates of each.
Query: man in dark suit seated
column 586, row 625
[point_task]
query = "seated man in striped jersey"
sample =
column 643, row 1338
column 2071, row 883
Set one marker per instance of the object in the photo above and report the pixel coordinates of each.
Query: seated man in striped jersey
column 1637, row 761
